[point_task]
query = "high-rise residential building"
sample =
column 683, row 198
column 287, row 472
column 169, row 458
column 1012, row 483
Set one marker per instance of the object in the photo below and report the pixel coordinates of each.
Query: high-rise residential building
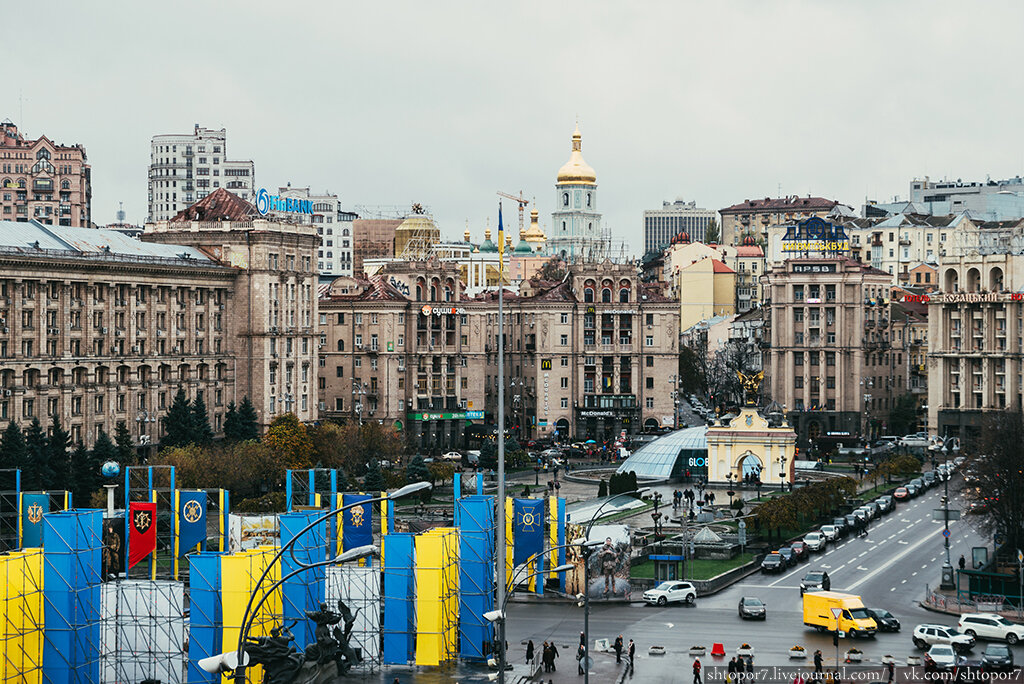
column 988, row 200
column 830, row 359
column 43, row 181
column 184, row 169
column 756, row 218
column 576, row 233
column 333, row 225
column 661, row 225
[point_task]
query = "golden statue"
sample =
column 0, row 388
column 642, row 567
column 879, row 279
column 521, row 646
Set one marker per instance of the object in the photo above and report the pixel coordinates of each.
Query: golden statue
column 750, row 383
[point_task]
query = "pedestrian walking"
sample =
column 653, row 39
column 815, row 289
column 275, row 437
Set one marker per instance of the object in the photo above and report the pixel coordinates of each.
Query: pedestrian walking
column 890, row 670
column 750, row 667
column 962, row 562
column 730, row 671
column 632, row 655
column 618, row 649
column 817, row 662
column 696, row 671
column 529, row 652
column 799, row 679
column 583, row 639
column 545, row 656
column 554, row 654
column 581, row 658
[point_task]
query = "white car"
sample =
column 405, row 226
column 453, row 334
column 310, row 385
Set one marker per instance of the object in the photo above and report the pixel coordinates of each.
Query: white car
column 671, row 592
column 830, row 532
column 940, row 656
column 452, row 456
column 815, row 541
column 991, row 626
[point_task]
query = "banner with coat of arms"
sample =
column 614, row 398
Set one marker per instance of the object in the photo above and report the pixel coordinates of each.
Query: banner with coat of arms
column 191, row 521
column 141, row 531
column 33, row 507
column 357, row 522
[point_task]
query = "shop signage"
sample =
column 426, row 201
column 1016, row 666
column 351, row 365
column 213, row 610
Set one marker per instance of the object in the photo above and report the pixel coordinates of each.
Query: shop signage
column 427, row 310
column 474, row 415
column 399, row 285
column 266, row 203
column 597, row 414
column 698, row 462
column 814, row 268
column 815, row 235
column 620, row 311
column 545, row 364
column 976, row 297
column 460, row 415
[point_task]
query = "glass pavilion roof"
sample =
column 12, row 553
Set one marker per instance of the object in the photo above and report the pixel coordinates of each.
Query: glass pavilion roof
column 663, row 457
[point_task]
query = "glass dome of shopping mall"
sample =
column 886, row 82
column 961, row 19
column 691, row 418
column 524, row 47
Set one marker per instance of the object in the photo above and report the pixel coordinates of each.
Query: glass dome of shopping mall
column 670, row 456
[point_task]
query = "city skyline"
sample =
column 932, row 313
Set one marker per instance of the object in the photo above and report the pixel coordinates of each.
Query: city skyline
column 430, row 110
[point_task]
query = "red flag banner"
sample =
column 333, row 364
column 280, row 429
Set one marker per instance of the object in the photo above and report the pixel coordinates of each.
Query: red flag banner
column 141, row 531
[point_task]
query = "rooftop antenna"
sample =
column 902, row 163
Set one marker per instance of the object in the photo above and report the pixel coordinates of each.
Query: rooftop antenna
column 120, row 212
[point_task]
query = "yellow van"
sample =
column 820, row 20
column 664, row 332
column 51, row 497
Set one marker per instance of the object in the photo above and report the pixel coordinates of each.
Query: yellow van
column 853, row 618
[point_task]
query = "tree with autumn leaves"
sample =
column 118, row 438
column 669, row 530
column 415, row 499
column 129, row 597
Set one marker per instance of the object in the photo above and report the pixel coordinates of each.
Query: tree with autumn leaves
column 804, row 504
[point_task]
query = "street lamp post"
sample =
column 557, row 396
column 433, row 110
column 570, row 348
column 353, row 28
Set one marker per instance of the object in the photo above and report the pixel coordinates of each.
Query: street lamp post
column 947, row 567
column 250, row 611
column 782, row 473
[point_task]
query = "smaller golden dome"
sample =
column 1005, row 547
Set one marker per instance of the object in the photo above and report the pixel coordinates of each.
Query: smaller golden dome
column 465, row 236
column 576, row 170
column 534, row 233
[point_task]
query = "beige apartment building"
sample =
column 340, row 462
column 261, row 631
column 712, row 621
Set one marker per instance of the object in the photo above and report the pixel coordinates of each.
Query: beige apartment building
column 43, row 181
column 975, row 341
column 829, row 359
column 588, row 357
column 759, row 217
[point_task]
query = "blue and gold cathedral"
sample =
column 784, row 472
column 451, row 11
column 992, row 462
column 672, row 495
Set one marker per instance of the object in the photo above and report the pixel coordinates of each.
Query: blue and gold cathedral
column 575, row 223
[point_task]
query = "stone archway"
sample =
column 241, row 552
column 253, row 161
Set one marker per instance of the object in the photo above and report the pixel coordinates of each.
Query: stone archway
column 749, row 464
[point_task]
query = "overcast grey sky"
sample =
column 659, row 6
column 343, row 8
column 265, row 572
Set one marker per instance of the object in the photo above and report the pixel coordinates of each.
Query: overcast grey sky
column 444, row 103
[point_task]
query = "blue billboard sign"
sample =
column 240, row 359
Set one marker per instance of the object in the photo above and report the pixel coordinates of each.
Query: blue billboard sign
column 266, row 203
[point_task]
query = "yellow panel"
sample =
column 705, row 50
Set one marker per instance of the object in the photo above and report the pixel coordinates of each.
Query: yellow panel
column 509, row 542
column 428, row 598
column 239, row 573
column 21, row 600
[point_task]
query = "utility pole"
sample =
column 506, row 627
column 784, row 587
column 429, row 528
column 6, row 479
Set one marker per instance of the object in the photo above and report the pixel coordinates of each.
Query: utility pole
column 501, row 574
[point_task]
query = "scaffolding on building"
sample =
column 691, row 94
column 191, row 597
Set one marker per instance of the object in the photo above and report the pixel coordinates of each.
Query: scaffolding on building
column 143, row 631
column 21, row 616
column 359, row 588
column 10, row 498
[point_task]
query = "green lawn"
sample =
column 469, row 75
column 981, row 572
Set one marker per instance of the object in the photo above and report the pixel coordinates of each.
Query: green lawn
column 696, row 569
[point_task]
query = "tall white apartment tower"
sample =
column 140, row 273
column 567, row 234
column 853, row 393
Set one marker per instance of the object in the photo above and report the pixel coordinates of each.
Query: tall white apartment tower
column 575, row 224
column 184, row 169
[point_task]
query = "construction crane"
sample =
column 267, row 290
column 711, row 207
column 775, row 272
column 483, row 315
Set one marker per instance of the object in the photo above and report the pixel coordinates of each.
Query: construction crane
column 523, row 202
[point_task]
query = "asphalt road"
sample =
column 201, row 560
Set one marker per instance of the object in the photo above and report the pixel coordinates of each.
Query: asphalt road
column 889, row 569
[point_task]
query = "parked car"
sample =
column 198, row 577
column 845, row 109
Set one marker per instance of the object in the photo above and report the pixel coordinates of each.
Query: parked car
column 997, row 658
column 773, row 562
column 939, row 657
column 787, row 555
column 873, row 509
column 840, row 525
column 671, row 592
column 852, row 522
column 753, row 608
column 886, row 502
column 929, row 478
column 930, row 634
column 830, row 533
column 816, row 540
column 913, row 490
column 901, row 494
column 815, row 580
column 452, row 456
column 918, row 439
column 885, row 620
column 991, row 626
column 801, row 551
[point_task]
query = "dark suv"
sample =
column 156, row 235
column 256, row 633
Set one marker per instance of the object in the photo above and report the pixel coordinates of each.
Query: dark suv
column 815, row 580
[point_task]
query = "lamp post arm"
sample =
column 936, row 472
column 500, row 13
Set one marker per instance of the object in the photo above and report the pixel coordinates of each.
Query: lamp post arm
column 597, row 513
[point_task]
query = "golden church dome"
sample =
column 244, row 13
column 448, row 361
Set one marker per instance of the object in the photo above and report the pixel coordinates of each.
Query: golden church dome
column 576, row 170
column 534, row 234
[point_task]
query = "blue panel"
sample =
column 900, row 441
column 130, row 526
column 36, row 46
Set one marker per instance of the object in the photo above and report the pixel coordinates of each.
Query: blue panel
column 399, row 593
column 306, row 590
column 476, row 574
column 205, row 619
column 71, row 610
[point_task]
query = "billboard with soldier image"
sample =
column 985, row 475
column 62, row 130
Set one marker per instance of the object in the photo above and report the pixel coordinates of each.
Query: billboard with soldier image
column 608, row 566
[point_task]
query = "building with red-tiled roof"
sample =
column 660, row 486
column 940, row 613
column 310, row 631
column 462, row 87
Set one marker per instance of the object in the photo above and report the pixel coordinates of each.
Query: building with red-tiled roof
column 756, row 217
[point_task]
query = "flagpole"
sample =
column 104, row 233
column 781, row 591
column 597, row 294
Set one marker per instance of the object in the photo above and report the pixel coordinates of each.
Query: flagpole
column 502, row 572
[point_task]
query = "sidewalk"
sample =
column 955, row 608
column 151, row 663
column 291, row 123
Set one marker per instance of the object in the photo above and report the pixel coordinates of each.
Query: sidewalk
column 603, row 669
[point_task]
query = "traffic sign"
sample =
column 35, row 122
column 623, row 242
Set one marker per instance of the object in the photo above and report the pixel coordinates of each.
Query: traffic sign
column 1020, row 556
column 836, row 612
column 945, row 533
column 998, row 538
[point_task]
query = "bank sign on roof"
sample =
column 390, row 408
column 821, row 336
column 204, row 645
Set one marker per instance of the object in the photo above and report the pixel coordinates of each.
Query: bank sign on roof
column 266, row 203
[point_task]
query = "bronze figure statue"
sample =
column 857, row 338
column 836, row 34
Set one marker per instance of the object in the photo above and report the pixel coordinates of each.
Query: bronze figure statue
column 751, row 384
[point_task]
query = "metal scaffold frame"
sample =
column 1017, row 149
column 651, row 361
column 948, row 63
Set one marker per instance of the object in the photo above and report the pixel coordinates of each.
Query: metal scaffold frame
column 359, row 588
column 475, row 515
column 10, row 496
column 21, row 616
column 437, row 596
column 143, row 631
column 154, row 484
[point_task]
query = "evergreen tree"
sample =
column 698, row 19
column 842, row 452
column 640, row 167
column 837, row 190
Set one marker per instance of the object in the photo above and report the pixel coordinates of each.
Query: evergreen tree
column 125, row 445
column 231, row 423
column 712, row 234
column 248, row 421
column 13, row 451
column 39, row 472
column 79, row 480
column 417, row 471
column 102, row 451
column 59, row 443
column 343, row 480
column 374, row 480
column 202, row 433
column 602, row 488
column 178, row 422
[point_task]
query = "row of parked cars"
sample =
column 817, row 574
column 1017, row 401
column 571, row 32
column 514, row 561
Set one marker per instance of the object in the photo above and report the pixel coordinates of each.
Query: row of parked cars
column 948, row 646
column 929, row 479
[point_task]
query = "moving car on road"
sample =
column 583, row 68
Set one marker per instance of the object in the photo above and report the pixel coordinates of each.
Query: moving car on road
column 853, row 617
column 773, row 562
column 929, row 634
column 671, row 592
column 815, row 580
column 939, row 657
column 753, row 608
column 885, row 620
column 997, row 658
column 991, row 626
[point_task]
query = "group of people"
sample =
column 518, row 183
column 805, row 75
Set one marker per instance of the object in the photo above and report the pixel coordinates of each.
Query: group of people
column 549, row 652
column 547, row 656
column 692, row 498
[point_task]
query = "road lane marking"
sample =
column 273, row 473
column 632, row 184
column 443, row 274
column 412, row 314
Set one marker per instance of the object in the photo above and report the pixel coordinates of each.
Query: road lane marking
column 863, row 554
column 890, row 562
column 860, row 567
column 913, row 574
column 925, row 567
column 903, row 582
column 902, row 542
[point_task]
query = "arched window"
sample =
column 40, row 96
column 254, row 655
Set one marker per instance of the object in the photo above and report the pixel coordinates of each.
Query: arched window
column 43, row 154
column 433, row 293
column 588, row 294
column 590, row 227
column 563, row 230
column 565, row 200
column 624, row 295
column 65, row 185
column 588, row 199
column 344, row 232
column 606, row 295
column 419, row 293
column 341, row 345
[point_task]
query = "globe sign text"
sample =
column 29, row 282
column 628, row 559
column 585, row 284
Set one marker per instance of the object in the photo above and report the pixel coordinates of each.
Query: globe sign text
column 266, row 203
